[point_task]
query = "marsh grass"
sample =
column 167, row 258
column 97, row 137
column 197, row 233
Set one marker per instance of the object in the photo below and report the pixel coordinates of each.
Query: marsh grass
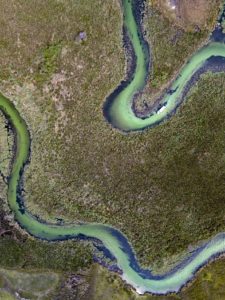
column 81, row 169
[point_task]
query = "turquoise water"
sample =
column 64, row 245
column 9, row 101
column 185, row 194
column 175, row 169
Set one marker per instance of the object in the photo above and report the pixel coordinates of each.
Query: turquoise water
column 121, row 116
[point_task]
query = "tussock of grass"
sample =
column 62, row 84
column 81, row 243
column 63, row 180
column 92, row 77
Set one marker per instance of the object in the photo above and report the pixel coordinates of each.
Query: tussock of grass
column 48, row 62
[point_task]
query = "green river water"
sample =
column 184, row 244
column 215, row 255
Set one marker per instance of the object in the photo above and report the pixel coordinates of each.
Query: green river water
column 122, row 117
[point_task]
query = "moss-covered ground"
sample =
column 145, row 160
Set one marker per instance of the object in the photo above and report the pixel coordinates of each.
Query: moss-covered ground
column 96, row 283
column 28, row 285
column 163, row 188
column 99, row 284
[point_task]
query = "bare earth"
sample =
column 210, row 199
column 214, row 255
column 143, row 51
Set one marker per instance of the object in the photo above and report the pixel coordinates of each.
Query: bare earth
column 189, row 14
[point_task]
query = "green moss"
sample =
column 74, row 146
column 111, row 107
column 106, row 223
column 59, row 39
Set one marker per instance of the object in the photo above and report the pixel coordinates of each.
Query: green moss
column 48, row 62
column 31, row 285
column 68, row 256
column 6, row 295
column 3, row 44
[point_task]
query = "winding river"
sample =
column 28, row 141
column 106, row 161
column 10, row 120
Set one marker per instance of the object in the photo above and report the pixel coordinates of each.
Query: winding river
column 118, row 111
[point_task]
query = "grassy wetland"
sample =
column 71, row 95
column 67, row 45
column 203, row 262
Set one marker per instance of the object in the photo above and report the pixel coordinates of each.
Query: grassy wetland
column 208, row 285
column 81, row 169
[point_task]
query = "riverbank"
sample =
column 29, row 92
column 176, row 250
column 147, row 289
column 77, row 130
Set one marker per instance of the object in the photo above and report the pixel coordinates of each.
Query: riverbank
column 99, row 158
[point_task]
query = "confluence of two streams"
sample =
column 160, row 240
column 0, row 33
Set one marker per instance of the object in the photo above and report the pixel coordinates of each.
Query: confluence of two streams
column 118, row 111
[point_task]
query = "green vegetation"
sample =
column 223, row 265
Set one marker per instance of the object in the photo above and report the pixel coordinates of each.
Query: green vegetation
column 103, row 285
column 81, row 169
column 168, row 42
column 48, row 63
column 209, row 285
column 171, row 45
column 30, row 285
column 21, row 251
column 6, row 295
column 58, row 256
column 96, row 283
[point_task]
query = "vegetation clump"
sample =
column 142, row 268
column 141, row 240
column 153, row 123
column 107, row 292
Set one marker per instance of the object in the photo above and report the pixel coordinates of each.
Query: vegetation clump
column 48, row 62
